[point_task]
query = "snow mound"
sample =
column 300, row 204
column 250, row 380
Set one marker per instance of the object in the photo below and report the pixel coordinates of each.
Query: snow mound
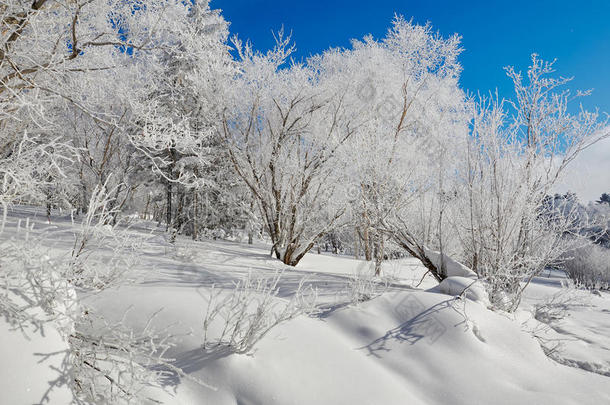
column 472, row 289
column 452, row 267
column 392, row 350
column 32, row 360
column 405, row 347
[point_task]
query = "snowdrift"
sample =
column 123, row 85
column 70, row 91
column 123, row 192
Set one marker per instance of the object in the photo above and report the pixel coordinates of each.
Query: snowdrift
column 405, row 347
column 466, row 287
column 31, row 360
column 408, row 346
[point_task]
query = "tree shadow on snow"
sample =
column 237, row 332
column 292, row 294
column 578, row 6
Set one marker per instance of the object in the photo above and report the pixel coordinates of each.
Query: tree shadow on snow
column 189, row 363
column 422, row 325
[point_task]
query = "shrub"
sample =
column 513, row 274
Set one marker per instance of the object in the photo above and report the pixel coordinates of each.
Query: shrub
column 251, row 309
column 589, row 267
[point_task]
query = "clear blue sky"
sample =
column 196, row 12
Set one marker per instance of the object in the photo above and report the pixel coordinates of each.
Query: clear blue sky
column 494, row 33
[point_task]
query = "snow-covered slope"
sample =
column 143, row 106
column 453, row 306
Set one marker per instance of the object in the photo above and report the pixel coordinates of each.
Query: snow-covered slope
column 30, row 360
column 405, row 347
column 408, row 346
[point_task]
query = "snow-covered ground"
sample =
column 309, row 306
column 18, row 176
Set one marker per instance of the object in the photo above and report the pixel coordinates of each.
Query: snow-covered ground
column 411, row 345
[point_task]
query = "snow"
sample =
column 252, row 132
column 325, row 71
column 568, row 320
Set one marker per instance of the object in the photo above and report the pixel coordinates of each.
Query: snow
column 582, row 333
column 471, row 289
column 452, row 267
column 31, row 359
column 408, row 346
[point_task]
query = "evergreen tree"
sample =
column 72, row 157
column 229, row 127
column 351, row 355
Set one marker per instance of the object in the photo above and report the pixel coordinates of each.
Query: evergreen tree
column 604, row 199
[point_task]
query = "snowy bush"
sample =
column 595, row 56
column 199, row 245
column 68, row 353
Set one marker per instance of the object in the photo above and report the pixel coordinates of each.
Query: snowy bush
column 33, row 289
column 589, row 267
column 364, row 285
column 108, row 363
column 104, row 251
column 114, row 363
column 250, row 310
column 556, row 307
column 552, row 310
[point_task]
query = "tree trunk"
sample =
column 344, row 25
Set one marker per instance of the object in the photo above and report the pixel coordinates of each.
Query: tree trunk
column 366, row 241
column 357, row 244
column 168, row 206
column 379, row 252
column 179, row 214
column 170, row 175
column 145, row 215
column 85, row 200
column 195, row 213
column 250, row 224
column 48, row 210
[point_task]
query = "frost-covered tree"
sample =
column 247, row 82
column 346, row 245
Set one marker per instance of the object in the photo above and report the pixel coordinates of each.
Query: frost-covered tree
column 515, row 156
column 180, row 117
column 50, row 53
column 283, row 127
column 604, row 199
column 410, row 115
column 73, row 80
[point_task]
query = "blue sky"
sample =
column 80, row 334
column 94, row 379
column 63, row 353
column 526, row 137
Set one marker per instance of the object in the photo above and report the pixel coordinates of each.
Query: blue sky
column 494, row 33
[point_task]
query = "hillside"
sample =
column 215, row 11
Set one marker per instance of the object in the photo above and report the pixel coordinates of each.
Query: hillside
column 406, row 346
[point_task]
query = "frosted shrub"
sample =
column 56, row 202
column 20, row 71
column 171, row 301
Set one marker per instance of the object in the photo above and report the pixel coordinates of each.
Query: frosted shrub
column 103, row 253
column 589, row 267
column 105, row 362
column 552, row 310
column 250, row 310
column 556, row 307
column 363, row 285
column 114, row 363
column 33, row 290
column 510, row 229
